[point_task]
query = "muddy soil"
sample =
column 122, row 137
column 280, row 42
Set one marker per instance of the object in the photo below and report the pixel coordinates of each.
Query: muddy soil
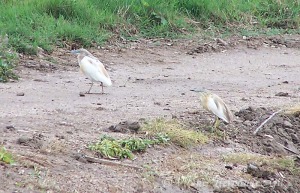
column 50, row 123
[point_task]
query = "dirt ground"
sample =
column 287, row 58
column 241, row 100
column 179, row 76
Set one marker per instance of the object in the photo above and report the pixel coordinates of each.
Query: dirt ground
column 46, row 123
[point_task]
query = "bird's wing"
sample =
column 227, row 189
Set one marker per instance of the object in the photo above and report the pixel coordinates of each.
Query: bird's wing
column 217, row 106
column 95, row 70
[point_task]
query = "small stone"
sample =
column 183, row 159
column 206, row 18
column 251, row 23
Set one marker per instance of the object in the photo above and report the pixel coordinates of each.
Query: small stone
column 229, row 167
column 290, row 145
column 100, row 108
column 20, row 94
column 10, row 127
column 244, row 99
column 282, row 94
column 247, row 123
column 252, row 167
column 23, row 140
column 79, row 157
column 295, row 138
column 287, row 124
column 60, row 136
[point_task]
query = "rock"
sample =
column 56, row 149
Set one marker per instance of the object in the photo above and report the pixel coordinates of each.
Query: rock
column 81, row 94
column 23, row 140
column 290, row 145
column 287, row 124
column 10, row 128
column 247, row 123
column 79, row 157
column 221, row 42
column 278, row 149
column 252, row 167
column 20, row 94
column 282, row 133
column 125, row 127
column 229, row 167
column 295, row 138
column 283, row 94
column 60, row 136
column 255, row 171
column 35, row 141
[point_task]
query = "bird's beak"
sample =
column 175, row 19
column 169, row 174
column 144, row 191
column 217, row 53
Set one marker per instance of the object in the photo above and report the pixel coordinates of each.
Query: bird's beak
column 74, row 52
column 197, row 90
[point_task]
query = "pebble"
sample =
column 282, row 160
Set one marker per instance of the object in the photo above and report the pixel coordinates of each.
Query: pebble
column 295, row 138
column 287, row 124
column 23, row 140
column 20, row 94
column 283, row 94
column 10, row 127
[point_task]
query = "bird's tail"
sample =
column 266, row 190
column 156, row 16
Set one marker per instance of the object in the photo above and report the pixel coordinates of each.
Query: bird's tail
column 107, row 81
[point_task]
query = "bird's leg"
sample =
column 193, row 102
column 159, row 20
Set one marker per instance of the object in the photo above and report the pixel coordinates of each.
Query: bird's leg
column 217, row 123
column 102, row 87
column 88, row 92
column 224, row 135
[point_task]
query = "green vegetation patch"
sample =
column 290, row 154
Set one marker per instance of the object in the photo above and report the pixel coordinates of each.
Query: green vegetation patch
column 5, row 156
column 111, row 148
column 6, row 71
column 46, row 24
column 8, row 60
column 176, row 131
column 279, row 163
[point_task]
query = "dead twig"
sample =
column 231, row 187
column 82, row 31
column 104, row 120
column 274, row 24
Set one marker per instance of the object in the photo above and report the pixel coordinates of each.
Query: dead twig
column 287, row 148
column 263, row 123
column 39, row 162
column 107, row 162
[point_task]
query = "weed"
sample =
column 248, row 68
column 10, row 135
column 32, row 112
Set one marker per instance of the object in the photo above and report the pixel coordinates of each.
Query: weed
column 294, row 110
column 186, row 180
column 149, row 173
column 46, row 24
column 7, row 60
column 5, row 156
column 111, row 148
column 6, row 71
column 280, row 163
column 177, row 133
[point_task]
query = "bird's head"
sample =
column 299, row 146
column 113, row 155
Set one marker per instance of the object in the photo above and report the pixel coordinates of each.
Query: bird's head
column 81, row 51
column 199, row 90
column 203, row 93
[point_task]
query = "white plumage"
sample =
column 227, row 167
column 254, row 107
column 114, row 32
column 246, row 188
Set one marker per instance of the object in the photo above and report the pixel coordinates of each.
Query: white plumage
column 91, row 67
column 95, row 70
column 214, row 104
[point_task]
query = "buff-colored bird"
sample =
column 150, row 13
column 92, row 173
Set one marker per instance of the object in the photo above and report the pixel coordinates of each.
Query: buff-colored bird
column 214, row 104
column 92, row 68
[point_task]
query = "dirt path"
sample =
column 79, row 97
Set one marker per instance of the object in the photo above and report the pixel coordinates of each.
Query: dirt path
column 158, row 80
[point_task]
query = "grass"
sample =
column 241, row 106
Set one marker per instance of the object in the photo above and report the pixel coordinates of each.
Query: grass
column 30, row 24
column 111, row 148
column 187, row 180
column 177, row 132
column 8, row 60
column 293, row 110
column 278, row 163
column 6, row 156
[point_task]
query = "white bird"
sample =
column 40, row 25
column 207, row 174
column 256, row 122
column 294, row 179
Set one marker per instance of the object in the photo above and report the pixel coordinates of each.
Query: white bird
column 214, row 104
column 91, row 67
